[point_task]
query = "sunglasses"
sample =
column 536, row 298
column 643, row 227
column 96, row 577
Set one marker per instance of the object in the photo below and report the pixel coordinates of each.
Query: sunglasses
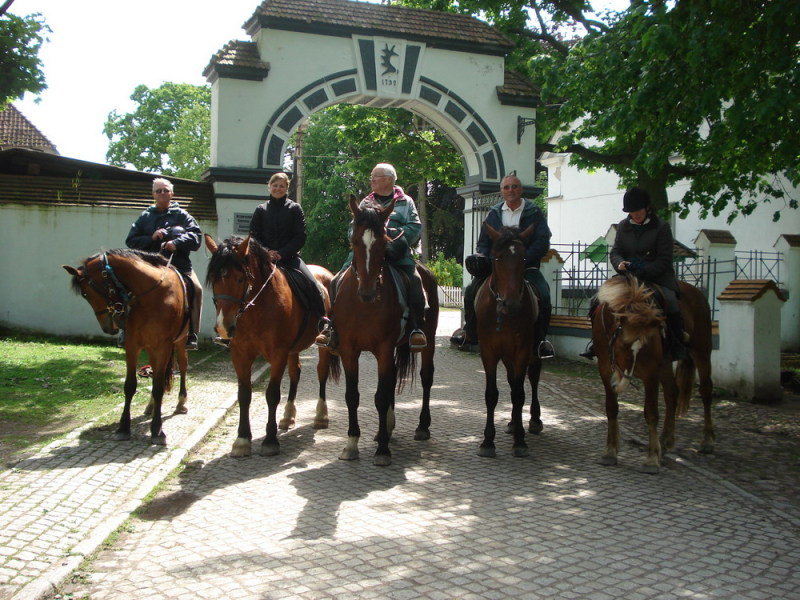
column 512, row 186
column 162, row 191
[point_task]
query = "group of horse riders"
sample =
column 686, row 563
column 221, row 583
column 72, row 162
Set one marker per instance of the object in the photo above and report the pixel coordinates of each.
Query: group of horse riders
column 643, row 248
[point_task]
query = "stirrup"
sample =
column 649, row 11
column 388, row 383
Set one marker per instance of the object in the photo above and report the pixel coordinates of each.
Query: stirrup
column 588, row 354
column 224, row 342
column 417, row 346
column 546, row 349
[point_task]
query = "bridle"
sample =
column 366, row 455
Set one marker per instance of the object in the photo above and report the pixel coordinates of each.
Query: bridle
column 626, row 375
column 242, row 301
column 119, row 299
column 498, row 299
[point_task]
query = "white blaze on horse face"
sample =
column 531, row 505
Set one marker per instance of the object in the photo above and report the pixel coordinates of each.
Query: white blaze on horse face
column 368, row 239
column 220, row 328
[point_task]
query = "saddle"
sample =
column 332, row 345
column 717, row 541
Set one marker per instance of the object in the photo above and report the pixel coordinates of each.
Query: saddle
column 304, row 289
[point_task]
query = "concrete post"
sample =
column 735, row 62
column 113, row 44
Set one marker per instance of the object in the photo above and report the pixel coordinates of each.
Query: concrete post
column 748, row 361
column 789, row 246
column 716, row 264
column 551, row 270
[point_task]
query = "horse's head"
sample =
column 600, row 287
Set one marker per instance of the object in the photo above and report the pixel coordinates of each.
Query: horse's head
column 508, row 266
column 230, row 279
column 631, row 326
column 88, row 280
column 368, row 240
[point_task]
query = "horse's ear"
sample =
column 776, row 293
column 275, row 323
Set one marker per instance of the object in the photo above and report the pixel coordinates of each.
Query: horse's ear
column 210, row 243
column 491, row 231
column 527, row 233
column 387, row 212
column 244, row 248
column 354, row 205
column 71, row 270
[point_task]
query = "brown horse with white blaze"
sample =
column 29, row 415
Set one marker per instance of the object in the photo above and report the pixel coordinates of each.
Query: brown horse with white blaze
column 506, row 310
column 140, row 292
column 367, row 318
column 261, row 315
column 629, row 341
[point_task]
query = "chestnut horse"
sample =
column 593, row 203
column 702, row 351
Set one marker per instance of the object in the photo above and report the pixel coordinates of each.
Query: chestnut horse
column 138, row 291
column 629, row 341
column 367, row 318
column 260, row 314
column 506, row 309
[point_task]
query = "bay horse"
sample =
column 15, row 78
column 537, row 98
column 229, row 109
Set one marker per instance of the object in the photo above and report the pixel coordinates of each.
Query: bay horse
column 506, row 309
column 629, row 341
column 367, row 318
column 138, row 291
column 260, row 314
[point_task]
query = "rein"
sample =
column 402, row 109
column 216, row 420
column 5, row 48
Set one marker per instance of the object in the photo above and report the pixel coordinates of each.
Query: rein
column 612, row 355
column 243, row 305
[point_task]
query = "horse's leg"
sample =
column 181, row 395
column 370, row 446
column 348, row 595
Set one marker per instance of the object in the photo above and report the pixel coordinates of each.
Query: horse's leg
column 384, row 403
column 520, row 448
column 290, row 411
column 706, row 388
column 243, row 366
column 159, row 357
column 534, row 373
column 270, row 445
column 609, row 457
column 124, row 428
column 490, row 396
column 183, row 365
column 670, row 388
column 323, row 368
column 653, row 461
column 423, row 431
column 352, row 398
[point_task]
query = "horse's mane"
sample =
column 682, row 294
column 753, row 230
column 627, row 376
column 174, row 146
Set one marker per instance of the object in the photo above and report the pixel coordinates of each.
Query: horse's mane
column 507, row 236
column 629, row 298
column 151, row 258
column 369, row 217
column 226, row 257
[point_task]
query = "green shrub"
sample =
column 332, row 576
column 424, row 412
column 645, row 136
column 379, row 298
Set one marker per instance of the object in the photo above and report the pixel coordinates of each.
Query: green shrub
column 448, row 271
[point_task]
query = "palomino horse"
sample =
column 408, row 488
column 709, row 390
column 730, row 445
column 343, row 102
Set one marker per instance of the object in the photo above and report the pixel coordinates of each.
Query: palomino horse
column 138, row 291
column 628, row 337
column 367, row 317
column 507, row 310
column 261, row 315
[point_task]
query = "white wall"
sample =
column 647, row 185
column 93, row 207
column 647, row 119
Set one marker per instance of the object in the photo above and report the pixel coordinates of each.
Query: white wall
column 36, row 292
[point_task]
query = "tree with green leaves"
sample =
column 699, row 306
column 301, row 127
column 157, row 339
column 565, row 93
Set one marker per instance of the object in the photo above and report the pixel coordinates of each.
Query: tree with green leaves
column 341, row 146
column 169, row 132
column 21, row 38
column 706, row 91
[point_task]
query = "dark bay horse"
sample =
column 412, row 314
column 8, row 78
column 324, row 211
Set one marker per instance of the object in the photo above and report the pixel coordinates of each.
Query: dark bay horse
column 367, row 318
column 629, row 341
column 507, row 309
column 260, row 314
column 138, row 291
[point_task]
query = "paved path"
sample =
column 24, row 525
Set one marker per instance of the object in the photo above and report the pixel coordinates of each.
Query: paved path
column 438, row 523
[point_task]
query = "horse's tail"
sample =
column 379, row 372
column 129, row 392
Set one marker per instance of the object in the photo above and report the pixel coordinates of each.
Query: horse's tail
column 405, row 364
column 169, row 372
column 684, row 378
column 334, row 368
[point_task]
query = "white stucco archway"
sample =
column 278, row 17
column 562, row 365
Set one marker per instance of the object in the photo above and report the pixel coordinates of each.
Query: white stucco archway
column 307, row 55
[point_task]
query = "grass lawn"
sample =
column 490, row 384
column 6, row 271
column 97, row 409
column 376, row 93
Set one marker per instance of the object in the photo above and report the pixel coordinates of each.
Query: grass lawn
column 49, row 386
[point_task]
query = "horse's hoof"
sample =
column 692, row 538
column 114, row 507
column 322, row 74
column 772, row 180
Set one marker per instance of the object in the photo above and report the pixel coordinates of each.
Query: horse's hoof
column 158, row 440
column 608, row 461
column 271, row 449
column 421, row 435
column 382, row 460
column 148, row 410
column 320, row 424
column 706, row 448
column 286, row 424
column 241, row 448
column 520, row 452
column 535, row 426
column 348, row 454
column 486, row 452
column 121, row 436
column 181, row 410
column 650, row 469
column 509, row 428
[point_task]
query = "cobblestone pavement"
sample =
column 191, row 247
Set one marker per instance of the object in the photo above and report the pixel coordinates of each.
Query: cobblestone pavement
column 438, row 523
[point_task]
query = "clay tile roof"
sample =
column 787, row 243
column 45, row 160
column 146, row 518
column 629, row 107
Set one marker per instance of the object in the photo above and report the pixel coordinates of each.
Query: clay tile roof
column 238, row 60
column 345, row 17
column 17, row 132
column 718, row 236
column 517, row 90
column 749, row 290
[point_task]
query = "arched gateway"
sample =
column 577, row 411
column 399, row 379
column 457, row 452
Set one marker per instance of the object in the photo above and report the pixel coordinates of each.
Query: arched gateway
column 306, row 55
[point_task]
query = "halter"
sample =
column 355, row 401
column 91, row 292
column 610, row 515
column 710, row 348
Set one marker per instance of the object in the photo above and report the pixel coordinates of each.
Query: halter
column 611, row 352
column 119, row 299
column 241, row 301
